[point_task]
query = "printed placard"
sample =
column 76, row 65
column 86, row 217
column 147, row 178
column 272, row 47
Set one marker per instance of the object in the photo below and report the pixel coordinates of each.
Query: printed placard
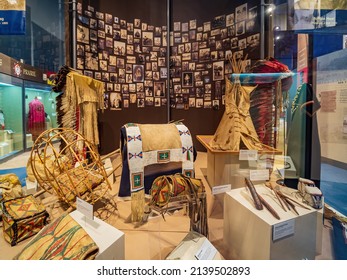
column 259, row 175
column 221, row 189
column 206, row 252
column 248, row 155
column 283, row 229
column 85, row 208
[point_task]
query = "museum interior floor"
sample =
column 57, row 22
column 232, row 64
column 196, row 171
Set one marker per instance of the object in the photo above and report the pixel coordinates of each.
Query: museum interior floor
column 155, row 239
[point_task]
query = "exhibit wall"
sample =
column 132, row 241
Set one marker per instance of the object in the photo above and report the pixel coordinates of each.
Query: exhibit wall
column 125, row 44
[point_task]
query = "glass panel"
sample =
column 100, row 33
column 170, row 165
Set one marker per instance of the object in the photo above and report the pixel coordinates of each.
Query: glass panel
column 309, row 36
column 39, row 97
column 42, row 45
column 11, row 121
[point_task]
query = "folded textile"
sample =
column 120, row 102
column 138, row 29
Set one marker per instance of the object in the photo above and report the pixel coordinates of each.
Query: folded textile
column 63, row 239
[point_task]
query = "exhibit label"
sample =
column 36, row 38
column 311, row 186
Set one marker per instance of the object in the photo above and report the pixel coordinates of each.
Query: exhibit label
column 221, row 189
column 259, row 175
column 85, row 208
column 206, row 252
column 283, row 229
column 248, row 155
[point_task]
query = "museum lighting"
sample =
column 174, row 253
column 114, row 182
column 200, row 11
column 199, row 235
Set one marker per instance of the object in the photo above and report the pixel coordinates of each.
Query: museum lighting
column 270, row 8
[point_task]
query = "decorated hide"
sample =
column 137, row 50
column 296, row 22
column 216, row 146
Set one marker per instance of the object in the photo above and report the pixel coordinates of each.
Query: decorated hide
column 62, row 239
column 171, row 187
column 152, row 150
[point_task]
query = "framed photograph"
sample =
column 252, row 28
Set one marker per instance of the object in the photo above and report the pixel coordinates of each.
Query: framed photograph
column 123, row 34
column 199, row 102
column 120, row 62
column 149, row 101
column 140, row 102
column 242, row 44
column 101, row 24
column 207, row 26
column 137, row 22
column 229, row 20
column 108, row 30
column 130, row 49
column 93, row 23
column 240, row 28
column 157, row 102
column 130, row 27
column 163, row 73
column 218, row 22
column 147, row 39
column 115, row 101
column 99, row 15
column 241, row 12
column 144, row 26
column 138, row 73
column 192, row 24
column 82, row 34
column 119, row 48
column 105, row 76
column 218, row 70
column 192, row 35
column 204, row 54
column 187, row 79
column 133, row 98
column 109, row 42
column 159, row 89
column 177, row 26
column 101, row 34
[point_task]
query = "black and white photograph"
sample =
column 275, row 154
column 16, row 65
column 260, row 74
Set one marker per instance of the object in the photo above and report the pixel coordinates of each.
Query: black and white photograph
column 218, row 70
column 115, row 101
column 218, row 22
column 82, row 34
column 147, row 39
column 192, row 24
column 119, row 48
column 229, row 20
column 240, row 28
column 187, row 79
column 138, row 73
column 159, row 89
column 241, row 12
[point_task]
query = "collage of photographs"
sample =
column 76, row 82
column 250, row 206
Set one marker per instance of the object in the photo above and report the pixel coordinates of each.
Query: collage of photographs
column 131, row 57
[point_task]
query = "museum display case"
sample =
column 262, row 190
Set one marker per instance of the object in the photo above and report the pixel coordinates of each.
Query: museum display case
column 11, row 130
column 43, row 94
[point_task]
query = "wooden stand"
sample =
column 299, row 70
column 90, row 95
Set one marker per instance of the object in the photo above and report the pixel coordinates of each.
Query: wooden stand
column 224, row 167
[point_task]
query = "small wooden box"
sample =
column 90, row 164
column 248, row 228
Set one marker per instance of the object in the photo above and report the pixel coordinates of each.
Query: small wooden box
column 22, row 218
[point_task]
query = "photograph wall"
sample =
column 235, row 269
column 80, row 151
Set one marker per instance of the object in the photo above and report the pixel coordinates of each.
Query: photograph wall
column 125, row 45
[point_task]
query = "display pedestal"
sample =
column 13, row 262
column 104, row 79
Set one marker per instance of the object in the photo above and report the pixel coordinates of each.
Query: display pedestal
column 190, row 246
column 224, row 167
column 252, row 234
column 110, row 240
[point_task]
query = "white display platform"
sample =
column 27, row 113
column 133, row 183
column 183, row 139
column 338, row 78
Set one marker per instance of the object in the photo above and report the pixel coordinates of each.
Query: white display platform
column 111, row 241
column 190, row 246
column 251, row 234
